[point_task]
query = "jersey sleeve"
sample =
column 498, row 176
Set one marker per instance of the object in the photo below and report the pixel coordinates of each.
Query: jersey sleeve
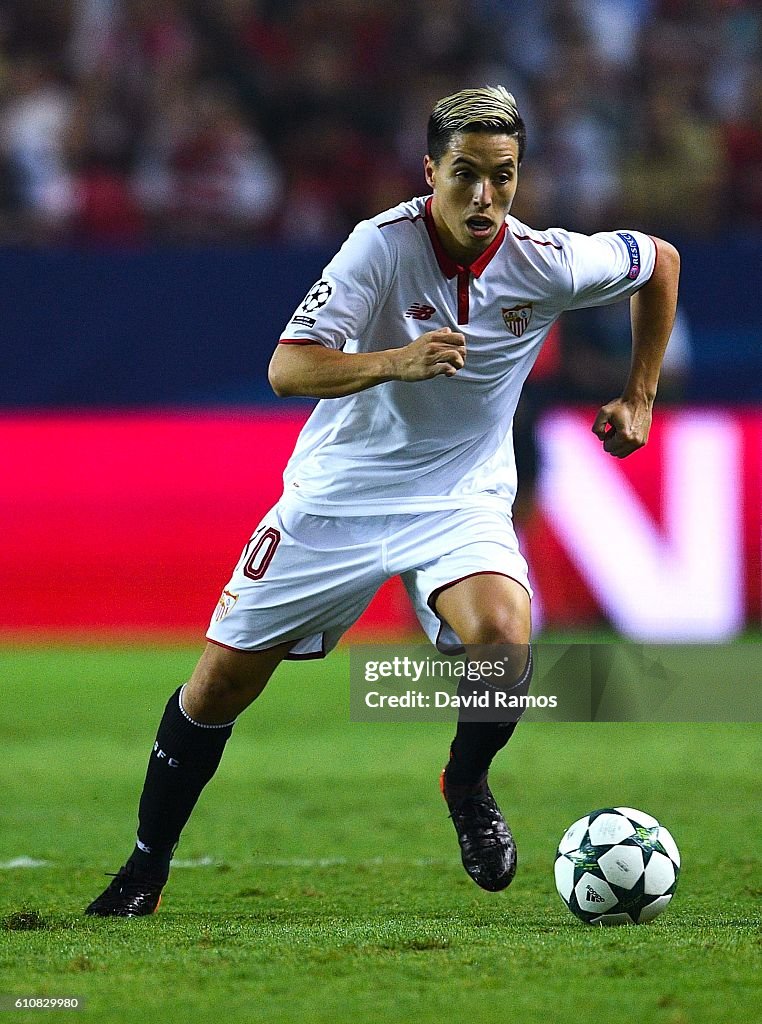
column 607, row 266
column 340, row 305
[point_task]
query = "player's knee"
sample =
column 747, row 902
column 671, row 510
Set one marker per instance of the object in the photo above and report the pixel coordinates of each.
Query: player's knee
column 499, row 625
column 225, row 682
column 214, row 696
column 216, row 686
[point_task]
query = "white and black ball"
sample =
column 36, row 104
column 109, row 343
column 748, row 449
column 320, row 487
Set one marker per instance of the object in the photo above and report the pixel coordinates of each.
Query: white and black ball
column 617, row 865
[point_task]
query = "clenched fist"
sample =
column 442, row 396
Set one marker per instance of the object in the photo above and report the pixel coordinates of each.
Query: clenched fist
column 437, row 352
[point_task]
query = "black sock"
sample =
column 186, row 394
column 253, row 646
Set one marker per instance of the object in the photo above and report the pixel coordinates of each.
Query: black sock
column 476, row 742
column 184, row 758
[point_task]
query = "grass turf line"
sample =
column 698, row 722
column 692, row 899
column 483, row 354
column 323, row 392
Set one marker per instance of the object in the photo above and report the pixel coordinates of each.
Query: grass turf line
column 387, row 927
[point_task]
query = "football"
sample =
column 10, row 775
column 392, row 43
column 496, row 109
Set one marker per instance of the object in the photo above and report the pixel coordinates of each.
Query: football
column 617, row 865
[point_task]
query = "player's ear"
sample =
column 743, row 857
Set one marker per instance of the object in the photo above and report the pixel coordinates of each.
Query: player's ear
column 429, row 168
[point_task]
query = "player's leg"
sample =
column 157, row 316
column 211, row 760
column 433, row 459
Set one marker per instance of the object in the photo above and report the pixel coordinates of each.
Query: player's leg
column 197, row 723
column 473, row 590
column 300, row 583
column 486, row 609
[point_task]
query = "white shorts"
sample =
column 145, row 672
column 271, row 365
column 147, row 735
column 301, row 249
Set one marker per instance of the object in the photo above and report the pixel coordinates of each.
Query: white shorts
column 308, row 578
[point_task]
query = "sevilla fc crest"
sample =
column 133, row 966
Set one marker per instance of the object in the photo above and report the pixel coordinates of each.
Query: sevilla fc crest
column 517, row 318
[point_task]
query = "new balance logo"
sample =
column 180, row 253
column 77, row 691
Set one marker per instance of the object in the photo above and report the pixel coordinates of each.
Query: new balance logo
column 420, row 311
column 593, row 896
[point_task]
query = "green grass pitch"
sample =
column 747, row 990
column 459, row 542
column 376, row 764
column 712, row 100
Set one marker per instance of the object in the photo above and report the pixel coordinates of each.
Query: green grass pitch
column 335, row 891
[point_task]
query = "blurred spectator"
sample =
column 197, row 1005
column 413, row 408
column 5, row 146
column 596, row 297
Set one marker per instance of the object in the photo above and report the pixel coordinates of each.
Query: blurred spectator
column 743, row 140
column 674, row 177
column 135, row 42
column 577, row 148
column 35, row 119
column 100, row 147
column 204, row 173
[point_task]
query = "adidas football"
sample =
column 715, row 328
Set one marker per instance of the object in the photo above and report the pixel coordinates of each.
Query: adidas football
column 617, row 866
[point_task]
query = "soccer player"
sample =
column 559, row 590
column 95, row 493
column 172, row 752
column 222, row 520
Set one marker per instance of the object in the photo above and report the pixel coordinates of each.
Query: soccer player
column 417, row 340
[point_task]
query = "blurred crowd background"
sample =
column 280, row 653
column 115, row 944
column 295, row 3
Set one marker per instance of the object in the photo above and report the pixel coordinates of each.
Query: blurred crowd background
column 132, row 121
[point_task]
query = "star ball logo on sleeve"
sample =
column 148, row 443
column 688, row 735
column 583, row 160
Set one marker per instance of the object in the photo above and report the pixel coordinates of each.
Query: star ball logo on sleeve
column 317, row 296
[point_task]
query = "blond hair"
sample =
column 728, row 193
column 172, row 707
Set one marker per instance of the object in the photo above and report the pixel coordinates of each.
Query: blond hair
column 491, row 108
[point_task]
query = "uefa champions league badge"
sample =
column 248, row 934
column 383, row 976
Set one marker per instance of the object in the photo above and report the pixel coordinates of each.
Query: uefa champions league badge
column 317, row 296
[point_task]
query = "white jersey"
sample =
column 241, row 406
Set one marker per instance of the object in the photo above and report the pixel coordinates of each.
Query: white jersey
column 445, row 442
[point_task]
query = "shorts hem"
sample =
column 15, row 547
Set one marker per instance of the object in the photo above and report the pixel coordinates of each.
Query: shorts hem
column 431, row 600
column 322, row 653
column 228, row 647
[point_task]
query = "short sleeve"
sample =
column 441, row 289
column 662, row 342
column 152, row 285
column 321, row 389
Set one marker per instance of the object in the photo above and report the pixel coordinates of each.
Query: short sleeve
column 340, row 305
column 607, row 266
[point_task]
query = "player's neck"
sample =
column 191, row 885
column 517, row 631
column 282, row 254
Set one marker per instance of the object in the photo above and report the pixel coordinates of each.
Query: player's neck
column 454, row 249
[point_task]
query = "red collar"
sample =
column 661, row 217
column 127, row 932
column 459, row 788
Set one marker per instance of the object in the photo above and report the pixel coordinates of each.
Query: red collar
column 447, row 264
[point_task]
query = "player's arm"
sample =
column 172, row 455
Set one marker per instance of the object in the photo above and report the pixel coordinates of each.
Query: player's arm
column 623, row 425
column 315, row 371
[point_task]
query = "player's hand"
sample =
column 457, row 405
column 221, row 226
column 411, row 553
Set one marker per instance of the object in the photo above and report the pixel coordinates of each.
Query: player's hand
column 437, row 352
column 623, row 426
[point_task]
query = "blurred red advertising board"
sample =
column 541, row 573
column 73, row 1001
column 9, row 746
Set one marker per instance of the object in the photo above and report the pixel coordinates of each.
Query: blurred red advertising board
column 129, row 524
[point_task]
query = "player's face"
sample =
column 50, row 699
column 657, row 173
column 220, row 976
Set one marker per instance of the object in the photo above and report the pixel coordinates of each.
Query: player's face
column 473, row 184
